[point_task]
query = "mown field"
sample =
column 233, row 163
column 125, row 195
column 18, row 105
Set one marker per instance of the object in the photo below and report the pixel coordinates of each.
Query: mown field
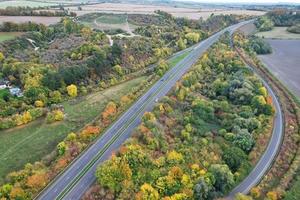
column 8, row 35
column 278, row 33
column 30, row 143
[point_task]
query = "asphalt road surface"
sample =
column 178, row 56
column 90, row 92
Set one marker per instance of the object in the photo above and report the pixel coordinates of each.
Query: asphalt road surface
column 80, row 175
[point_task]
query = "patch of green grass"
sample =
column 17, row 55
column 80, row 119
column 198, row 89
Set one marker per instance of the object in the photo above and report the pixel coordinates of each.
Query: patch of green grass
column 176, row 59
column 278, row 33
column 8, row 35
column 32, row 142
column 111, row 19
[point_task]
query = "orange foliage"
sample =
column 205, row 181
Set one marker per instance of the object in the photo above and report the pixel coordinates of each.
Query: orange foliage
column 109, row 111
column 90, row 131
column 269, row 100
column 61, row 163
column 17, row 192
column 37, row 181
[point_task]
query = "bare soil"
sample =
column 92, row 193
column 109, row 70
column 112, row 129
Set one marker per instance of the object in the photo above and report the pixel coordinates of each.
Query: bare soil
column 284, row 62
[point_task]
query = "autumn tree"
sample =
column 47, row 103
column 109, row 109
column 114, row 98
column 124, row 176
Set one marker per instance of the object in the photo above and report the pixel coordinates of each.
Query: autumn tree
column 114, row 173
column 72, row 90
column 147, row 192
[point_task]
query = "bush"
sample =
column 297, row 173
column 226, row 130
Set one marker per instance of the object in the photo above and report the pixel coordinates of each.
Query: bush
column 294, row 29
column 56, row 115
column 260, row 46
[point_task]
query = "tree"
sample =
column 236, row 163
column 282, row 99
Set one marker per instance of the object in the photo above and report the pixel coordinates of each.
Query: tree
column 1, row 57
column 37, row 181
column 192, row 37
column 109, row 111
column 39, row 103
column 224, row 179
column 244, row 140
column 241, row 196
column 234, row 157
column 26, row 117
column 202, row 189
column 147, row 192
column 55, row 97
column 114, row 173
column 181, row 44
column 86, row 32
column 61, row 148
column 72, row 90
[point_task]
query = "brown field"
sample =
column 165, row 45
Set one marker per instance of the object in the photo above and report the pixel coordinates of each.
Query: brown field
column 284, row 62
column 149, row 9
column 36, row 19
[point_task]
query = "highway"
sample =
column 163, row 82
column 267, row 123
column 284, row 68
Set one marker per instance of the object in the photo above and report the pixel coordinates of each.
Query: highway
column 80, row 175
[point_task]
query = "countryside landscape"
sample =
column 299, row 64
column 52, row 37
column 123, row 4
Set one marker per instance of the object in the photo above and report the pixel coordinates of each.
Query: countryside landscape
column 149, row 100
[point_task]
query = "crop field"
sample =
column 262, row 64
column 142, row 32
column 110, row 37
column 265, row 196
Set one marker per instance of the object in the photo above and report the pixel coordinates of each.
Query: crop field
column 33, row 4
column 278, row 33
column 8, row 35
column 108, row 22
column 27, row 144
column 284, row 62
column 36, row 19
column 111, row 19
column 149, row 9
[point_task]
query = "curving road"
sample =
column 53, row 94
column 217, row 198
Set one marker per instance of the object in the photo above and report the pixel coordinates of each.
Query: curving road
column 80, row 175
column 271, row 151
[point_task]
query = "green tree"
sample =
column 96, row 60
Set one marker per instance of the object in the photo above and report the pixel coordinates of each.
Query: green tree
column 234, row 157
column 224, row 179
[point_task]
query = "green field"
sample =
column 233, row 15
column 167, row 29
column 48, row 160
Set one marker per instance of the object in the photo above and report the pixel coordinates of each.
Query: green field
column 8, row 35
column 111, row 19
column 278, row 33
column 30, row 143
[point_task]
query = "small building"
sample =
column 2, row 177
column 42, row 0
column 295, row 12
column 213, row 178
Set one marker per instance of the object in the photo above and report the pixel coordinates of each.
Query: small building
column 4, row 84
column 15, row 91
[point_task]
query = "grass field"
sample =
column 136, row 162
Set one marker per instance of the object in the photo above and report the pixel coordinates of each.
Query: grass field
column 30, row 143
column 111, row 19
column 278, row 33
column 8, row 35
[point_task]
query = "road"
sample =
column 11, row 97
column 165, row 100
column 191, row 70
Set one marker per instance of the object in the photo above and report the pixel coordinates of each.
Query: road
column 271, row 151
column 80, row 175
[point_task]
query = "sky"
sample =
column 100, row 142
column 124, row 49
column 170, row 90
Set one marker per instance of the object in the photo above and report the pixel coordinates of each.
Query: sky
column 247, row 1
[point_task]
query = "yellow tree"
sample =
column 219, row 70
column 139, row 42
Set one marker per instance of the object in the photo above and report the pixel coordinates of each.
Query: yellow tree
column 72, row 90
column 147, row 192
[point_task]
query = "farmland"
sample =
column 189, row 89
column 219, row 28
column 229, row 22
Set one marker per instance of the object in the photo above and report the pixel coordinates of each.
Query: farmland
column 278, row 33
column 149, row 9
column 33, row 4
column 284, row 62
column 36, row 19
column 32, row 142
column 7, row 36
